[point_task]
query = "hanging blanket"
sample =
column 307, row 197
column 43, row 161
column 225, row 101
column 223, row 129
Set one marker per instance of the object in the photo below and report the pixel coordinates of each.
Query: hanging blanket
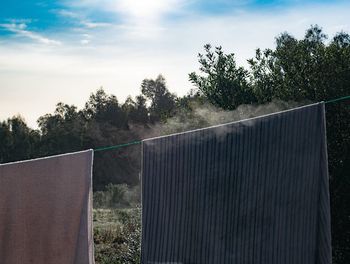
column 254, row 191
column 45, row 210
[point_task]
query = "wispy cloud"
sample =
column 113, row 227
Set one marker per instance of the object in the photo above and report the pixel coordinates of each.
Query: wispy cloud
column 80, row 19
column 20, row 29
column 90, row 24
column 86, row 39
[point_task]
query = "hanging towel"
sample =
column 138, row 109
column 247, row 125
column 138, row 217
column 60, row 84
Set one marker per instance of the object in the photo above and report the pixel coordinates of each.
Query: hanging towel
column 254, row 191
column 46, row 209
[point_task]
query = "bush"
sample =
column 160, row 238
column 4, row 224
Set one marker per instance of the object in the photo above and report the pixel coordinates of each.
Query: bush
column 117, row 196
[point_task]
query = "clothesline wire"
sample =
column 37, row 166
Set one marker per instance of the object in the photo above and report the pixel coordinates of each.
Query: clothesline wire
column 118, row 146
column 136, row 142
column 337, row 99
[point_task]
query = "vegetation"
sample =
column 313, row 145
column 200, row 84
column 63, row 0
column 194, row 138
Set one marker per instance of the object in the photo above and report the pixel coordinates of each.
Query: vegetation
column 118, row 196
column 224, row 84
column 308, row 70
column 117, row 236
column 117, row 225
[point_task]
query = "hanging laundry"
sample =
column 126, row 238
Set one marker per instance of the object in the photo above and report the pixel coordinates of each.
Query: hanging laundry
column 46, row 210
column 254, row 191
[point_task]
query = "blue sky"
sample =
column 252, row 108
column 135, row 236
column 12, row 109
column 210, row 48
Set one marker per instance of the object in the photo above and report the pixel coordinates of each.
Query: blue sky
column 64, row 50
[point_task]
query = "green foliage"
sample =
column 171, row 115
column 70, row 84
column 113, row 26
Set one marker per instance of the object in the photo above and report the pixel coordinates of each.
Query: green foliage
column 61, row 131
column 117, row 196
column 17, row 140
column 302, row 69
column 104, row 108
column 224, row 84
column 136, row 110
column 5, row 139
column 162, row 101
column 117, row 236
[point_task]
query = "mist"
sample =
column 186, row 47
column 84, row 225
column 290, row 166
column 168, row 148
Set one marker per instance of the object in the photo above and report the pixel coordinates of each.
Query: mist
column 203, row 115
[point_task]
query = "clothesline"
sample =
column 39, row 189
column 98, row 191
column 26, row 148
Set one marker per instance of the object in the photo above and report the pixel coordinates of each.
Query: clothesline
column 118, row 146
column 136, row 142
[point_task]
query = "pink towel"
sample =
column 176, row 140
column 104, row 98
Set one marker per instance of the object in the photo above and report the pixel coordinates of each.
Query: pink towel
column 46, row 210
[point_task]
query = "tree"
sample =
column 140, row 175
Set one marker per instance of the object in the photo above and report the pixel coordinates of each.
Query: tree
column 105, row 108
column 302, row 69
column 136, row 110
column 62, row 131
column 5, row 139
column 18, row 141
column 224, row 84
column 162, row 101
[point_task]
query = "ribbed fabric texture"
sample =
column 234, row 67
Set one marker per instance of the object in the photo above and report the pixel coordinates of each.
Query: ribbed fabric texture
column 254, row 191
column 46, row 210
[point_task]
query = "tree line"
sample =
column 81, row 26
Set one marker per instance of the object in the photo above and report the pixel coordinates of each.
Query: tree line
column 312, row 69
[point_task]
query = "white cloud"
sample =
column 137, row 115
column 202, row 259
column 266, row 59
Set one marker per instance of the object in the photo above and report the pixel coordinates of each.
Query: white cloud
column 19, row 20
column 85, row 41
column 66, row 13
column 20, row 29
column 80, row 19
column 90, row 24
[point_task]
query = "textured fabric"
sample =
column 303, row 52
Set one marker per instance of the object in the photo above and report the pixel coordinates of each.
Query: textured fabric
column 254, row 191
column 45, row 210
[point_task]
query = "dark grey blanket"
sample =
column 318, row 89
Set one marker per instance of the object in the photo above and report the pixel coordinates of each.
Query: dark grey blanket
column 254, row 191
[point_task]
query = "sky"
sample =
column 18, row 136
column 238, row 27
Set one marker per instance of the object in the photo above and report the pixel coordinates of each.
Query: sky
column 53, row 51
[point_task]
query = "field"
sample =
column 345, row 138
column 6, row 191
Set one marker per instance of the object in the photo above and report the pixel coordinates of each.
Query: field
column 117, row 225
column 117, row 235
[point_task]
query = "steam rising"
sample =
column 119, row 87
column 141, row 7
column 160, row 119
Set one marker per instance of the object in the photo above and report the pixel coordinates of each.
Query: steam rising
column 205, row 115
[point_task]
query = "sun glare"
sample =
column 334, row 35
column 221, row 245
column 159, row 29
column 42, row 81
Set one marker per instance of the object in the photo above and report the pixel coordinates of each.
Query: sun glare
column 146, row 9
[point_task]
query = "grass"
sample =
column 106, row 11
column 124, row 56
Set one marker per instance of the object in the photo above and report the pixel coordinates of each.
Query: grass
column 117, row 235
